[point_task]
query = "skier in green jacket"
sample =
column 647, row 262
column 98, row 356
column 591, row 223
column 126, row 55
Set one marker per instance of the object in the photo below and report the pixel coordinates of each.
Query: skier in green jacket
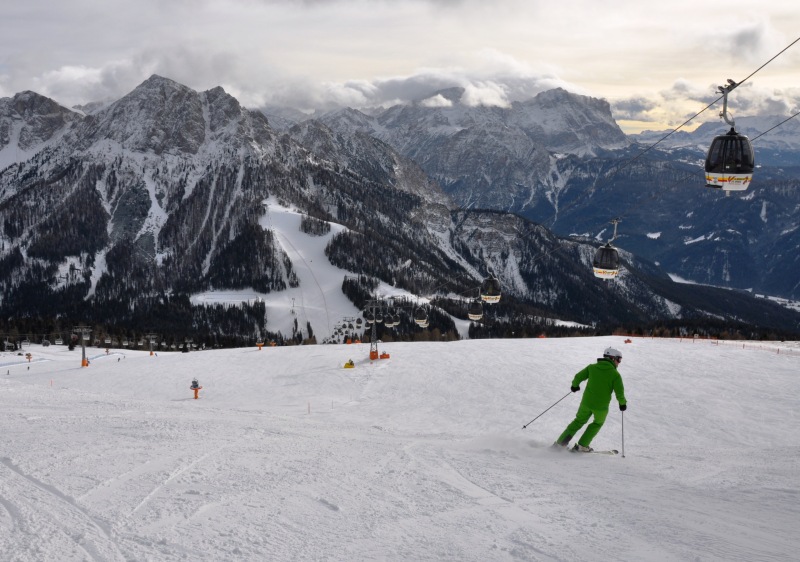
column 603, row 380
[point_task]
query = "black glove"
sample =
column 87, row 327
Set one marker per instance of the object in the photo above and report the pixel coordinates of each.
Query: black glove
column 574, row 388
column 623, row 407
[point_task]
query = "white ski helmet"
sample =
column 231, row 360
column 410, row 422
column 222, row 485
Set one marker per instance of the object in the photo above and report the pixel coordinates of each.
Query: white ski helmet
column 612, row 352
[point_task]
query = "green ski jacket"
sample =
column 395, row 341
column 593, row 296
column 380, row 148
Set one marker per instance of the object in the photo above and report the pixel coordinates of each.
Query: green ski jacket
column 603, row 380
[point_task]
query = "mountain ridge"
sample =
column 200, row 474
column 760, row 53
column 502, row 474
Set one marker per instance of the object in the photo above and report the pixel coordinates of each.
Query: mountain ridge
column 161, row 194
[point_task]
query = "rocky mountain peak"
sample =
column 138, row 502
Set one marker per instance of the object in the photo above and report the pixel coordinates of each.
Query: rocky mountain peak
column 158, row 116
column 30, row 119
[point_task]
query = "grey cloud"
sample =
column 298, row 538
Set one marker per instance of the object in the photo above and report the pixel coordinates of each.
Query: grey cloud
column 634, row 109
column 752, row 43
column 488, row 90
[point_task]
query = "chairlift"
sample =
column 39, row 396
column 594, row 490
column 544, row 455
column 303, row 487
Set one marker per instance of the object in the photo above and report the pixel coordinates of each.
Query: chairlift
column 606, row 260
column 730, row 161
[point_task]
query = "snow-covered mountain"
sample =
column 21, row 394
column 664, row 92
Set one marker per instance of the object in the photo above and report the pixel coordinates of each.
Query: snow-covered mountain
column 492, row 157
column 561, row 160
column 771, row 133
column 125, row 214
column 28, row 122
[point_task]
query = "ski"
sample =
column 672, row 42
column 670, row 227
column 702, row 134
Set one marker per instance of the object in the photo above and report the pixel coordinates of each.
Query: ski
column 559, row 449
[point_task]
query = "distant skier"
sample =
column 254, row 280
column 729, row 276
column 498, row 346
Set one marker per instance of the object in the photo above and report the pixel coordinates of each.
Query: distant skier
column 603, row 380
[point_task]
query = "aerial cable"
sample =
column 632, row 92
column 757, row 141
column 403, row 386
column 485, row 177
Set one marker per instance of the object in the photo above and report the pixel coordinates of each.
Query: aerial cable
column 713, row 102
column 685, row 176
column 652, row 146
column 662, row 139
column 690, row 119
column 776, row 126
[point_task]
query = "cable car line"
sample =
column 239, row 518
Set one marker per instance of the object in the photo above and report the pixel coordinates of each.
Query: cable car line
column 775, row 127
column 646, row 150
column 685, row 175
column 732, row 145
column 606, row 260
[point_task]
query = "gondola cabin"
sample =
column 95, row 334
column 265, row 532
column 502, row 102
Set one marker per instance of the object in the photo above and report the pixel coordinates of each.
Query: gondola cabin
column 421, row 318
column 606, row 262
column 730, row 162
column 475, row 310
column 490, row 290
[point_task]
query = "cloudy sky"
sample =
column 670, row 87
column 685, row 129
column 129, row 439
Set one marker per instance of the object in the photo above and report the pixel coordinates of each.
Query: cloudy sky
column 656, row 63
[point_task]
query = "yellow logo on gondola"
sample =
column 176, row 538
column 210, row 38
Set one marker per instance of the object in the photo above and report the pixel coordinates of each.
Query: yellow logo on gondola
column 607, row 273
column 736, row 180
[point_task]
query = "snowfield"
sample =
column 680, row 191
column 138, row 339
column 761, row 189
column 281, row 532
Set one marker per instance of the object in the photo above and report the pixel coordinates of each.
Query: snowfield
column 289, row 456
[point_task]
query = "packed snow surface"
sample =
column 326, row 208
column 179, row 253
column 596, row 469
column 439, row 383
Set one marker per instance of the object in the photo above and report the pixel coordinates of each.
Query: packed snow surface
column 286, row 455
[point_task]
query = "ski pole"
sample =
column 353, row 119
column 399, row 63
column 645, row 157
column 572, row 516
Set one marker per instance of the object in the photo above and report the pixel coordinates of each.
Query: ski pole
column 540, row 415
column 623, row 433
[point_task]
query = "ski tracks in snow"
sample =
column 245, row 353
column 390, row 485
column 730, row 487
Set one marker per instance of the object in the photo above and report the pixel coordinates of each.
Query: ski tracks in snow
column 175, row 473
column 47, row 521
column 461, row 501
